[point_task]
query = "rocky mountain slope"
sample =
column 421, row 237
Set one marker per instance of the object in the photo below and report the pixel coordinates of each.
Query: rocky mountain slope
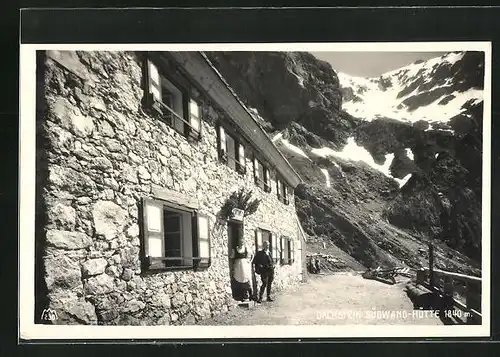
column 433, row 91
column 401, row 165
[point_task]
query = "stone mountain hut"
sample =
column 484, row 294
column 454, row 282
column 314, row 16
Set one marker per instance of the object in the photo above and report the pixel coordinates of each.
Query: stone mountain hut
column 137, row 155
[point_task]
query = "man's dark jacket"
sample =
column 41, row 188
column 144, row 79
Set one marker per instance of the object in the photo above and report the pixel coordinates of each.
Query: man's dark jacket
column 263, row 262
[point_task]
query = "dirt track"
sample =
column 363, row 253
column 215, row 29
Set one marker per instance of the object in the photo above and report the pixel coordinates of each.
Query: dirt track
column 337, row 299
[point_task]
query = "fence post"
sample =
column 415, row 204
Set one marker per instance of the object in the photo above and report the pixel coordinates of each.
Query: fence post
column 421, row 275
column 448, row 290
column 431, row 265
column 473, row 300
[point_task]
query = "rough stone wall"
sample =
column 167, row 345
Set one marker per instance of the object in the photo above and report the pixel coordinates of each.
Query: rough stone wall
column 101, row 154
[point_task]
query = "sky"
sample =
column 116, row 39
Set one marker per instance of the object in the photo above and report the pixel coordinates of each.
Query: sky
column 372, row 64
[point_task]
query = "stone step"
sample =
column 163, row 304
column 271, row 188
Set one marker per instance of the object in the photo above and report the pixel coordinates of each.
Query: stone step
column 247, row 304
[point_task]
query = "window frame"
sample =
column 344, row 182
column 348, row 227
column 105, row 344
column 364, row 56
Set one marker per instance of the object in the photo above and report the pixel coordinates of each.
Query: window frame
column 287, row 245
column 272, row 242
column 155, row 106
column 282, row 194
column 265, row 182
column 239, row 148
column 158, row 264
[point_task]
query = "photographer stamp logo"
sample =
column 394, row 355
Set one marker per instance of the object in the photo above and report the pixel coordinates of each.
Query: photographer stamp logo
column 48, row 315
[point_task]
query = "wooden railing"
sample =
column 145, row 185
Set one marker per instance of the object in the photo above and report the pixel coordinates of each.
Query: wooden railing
column 464, row 291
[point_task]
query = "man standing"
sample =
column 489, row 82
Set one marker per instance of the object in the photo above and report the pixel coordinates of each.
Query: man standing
column 264, row 266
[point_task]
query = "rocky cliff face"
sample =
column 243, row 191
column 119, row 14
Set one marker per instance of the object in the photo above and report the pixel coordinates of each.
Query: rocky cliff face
column 287, row 88
column 399, row 166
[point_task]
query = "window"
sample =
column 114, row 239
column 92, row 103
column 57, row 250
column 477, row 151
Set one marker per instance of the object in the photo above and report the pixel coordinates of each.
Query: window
column 282, row 191
column 171, row 102
column 174, row 238
column 231, row 152
column 287, row 250
column 261, row 175
column 262, row 235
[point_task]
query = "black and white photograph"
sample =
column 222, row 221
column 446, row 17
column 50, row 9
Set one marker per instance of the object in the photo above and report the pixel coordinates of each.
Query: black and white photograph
column 243, row 190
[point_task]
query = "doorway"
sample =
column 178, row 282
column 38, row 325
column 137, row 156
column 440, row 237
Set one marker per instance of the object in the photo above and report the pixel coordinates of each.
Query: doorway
column 235, row 236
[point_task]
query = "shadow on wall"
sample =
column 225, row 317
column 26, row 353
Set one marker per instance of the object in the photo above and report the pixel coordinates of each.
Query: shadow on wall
column 42, row 173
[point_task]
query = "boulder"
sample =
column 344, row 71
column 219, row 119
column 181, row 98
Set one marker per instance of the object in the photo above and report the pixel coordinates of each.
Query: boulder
column 62, row 216
column 62, row 272
column 72, row 309
column 178, row 299
column 132, row 231
column 102, row 163
column 70, row 180
column 100, row 284
column 127, row 274
column 134, row 306
column 68, row 240
column 94, row 267
column 71, row 119
column 143, row 173
column 109, row 219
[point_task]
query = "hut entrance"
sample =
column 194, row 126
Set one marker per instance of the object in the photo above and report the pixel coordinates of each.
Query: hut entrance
column 239, row 266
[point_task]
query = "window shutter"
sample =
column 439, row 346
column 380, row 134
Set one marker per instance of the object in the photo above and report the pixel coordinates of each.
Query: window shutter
column 194, row 116
column 202, row 230
column 222, row 144
column 258, row 240
column 241, row 156
column 266, row 179
column 154, row 81
column 272, row 184
column 274, row 244
column 256, row 169
column 154, row 245
column 285, row 193
column 282, row 251
column 292, row 251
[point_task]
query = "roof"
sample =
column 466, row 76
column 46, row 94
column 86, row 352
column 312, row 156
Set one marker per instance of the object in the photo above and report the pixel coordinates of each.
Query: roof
column 203, row 72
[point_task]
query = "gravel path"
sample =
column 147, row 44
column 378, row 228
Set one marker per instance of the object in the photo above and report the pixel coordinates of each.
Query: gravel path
column 341, row 298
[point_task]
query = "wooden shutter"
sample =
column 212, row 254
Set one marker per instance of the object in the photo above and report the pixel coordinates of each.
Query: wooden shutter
column 258, row 240
column 282, row 251
column 272, row 183
column 202, row 241
column 241, row 157
column 154, row 244
column 194, row 117
column 153, row 81
column 266, row 179
column 285, row 193
column 256, row 170
column 274, row 246
column 292, row 251
column 222, row 144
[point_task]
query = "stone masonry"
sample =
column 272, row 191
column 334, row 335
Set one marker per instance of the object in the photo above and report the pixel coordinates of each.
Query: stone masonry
column 100, row 154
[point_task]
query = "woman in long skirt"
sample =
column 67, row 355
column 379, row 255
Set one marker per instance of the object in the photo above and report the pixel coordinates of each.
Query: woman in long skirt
column 242, row 273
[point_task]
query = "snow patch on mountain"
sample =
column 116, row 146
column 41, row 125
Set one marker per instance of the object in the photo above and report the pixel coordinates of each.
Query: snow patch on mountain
column 403, row 181
column 409, row 153
column 354, row 152
column 293, row 148
column 327, row 177
column 277, row 137
column 372, row 98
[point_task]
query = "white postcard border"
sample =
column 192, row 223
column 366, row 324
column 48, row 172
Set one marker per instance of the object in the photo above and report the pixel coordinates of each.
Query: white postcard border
column 27, row 152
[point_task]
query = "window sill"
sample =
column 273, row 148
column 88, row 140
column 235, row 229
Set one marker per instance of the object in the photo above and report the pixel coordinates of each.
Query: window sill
column 260, row 184
column 157, row 265
column 156, row 110
column 223, row 158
